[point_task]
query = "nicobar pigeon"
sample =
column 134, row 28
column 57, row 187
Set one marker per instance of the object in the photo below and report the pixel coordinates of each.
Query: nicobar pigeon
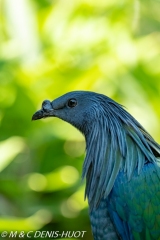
column 121, row 167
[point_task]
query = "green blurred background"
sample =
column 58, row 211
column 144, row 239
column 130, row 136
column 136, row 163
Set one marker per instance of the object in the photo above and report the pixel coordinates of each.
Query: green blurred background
column 47, row 48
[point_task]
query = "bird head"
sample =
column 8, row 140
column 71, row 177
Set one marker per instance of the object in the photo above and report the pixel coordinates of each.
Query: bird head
column 78, row 108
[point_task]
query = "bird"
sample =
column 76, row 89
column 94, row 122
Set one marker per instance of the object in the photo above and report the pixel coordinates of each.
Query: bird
column 121, row 165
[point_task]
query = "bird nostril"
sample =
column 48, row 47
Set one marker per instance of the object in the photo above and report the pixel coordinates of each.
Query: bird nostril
column 46, row 106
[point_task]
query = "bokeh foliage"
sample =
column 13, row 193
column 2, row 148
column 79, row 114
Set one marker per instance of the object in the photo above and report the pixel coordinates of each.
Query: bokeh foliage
column 47, row 48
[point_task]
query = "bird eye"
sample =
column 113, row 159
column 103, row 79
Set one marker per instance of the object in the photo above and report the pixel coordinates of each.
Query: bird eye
column 72, row 103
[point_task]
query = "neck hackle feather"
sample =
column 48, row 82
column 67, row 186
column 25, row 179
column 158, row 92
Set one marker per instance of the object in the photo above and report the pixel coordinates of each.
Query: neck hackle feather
column 115, row 142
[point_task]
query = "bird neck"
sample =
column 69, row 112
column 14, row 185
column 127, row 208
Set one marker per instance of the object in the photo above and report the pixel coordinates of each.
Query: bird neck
column 112, row 146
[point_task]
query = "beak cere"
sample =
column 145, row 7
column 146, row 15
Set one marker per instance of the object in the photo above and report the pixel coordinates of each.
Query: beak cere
column 46, row 111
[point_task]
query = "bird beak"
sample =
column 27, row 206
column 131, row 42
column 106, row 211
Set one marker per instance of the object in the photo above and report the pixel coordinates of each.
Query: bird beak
column 38, row 115
column 46, row 111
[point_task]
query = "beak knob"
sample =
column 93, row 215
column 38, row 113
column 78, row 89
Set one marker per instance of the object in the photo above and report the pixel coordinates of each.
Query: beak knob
column 46, row 106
